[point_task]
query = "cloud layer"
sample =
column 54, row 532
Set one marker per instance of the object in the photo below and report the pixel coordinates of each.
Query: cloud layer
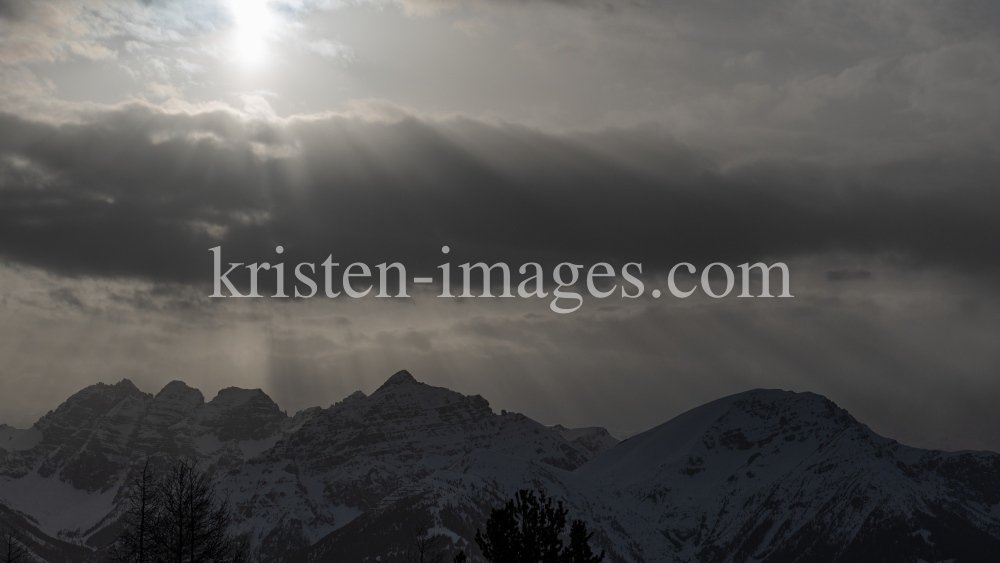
column 135, row 191
column 857, row 141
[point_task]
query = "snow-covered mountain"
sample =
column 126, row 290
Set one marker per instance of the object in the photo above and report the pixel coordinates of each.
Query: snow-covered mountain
column 760, row 476
column 778, row 476
column 64, row 474
column 365, row 451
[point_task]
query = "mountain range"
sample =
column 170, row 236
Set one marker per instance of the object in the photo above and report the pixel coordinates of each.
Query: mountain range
column 761, row 476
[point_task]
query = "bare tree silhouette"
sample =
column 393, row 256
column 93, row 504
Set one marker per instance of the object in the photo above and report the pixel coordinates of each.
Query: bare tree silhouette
column 177, row 518
column 424, row 546
column 136, row 542
column 11, row 548
column 193, row 524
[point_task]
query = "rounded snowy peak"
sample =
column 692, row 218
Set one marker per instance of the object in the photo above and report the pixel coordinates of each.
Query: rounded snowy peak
column 737, row 422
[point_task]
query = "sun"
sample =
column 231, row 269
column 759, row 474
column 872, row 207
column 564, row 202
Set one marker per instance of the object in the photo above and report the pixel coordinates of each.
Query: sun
column 254, row 24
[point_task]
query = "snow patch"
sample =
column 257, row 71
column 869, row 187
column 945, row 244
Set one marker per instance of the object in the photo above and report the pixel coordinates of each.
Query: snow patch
column 56, row 505
column 15, row 439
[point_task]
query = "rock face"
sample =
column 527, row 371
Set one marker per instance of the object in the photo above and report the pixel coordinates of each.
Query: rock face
column 593, row 439
column 763, row 476
column 84, row 441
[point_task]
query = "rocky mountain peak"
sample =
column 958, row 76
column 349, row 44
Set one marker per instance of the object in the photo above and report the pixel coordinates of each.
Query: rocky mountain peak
column 398, row 379
column 355, row 396
column 126, row 386
column 239, row 414
column 172, row 404
column 180, row 390
column 85, row 407
column 235, row 396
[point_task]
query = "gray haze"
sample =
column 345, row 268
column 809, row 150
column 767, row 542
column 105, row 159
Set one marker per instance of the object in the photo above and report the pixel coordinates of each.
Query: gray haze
column 856, row 141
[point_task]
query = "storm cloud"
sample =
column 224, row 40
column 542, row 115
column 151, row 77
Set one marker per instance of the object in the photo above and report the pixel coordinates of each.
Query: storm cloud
column 135, row 191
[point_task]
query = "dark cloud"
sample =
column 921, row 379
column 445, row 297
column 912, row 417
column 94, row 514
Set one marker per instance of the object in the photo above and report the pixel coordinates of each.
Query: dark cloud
column 139, row 192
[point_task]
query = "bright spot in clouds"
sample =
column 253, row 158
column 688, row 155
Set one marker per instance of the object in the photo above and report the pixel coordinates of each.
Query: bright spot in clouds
column 254, row 23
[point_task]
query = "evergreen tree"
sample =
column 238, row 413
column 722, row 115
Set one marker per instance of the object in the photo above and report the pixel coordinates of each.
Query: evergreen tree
column 579, row 550
column 527, row 530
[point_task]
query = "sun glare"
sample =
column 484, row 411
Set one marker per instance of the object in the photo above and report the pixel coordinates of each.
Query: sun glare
column 254, row 23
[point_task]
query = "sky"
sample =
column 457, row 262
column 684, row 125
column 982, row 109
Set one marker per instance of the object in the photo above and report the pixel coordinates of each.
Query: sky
column 855, row 141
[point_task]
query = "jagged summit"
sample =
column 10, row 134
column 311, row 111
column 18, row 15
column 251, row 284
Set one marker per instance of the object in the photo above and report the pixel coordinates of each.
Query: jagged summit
column 180, row 394
column 175, row 401
column 178, row 387
column 401, row 377
column 126, row 384
column 233, row 396
column 355, row 396
column 104, row 391
column 84, row 407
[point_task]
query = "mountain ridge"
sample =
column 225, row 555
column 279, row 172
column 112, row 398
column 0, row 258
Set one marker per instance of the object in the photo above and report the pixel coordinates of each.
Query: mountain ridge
column 763, row 475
